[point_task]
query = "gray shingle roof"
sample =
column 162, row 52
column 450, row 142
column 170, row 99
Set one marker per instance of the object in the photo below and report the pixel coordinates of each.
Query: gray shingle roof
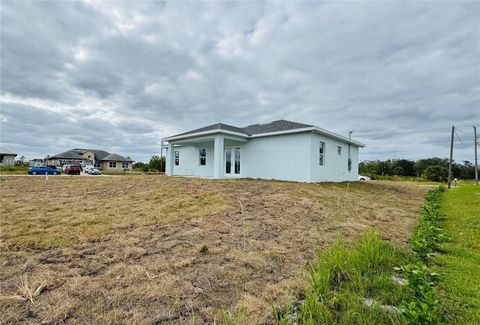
column 275, row 126
column 70, row 154
column 115, row 157
column 4, row 151
column 99, row 155
column 217, row 126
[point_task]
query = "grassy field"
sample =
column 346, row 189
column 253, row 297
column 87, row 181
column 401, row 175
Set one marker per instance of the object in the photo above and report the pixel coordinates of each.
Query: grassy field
column 13, row 170
column 148, row 249
column 459, row 266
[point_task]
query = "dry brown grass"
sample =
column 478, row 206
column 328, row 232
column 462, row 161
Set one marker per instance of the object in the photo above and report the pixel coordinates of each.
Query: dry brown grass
column 142, row 249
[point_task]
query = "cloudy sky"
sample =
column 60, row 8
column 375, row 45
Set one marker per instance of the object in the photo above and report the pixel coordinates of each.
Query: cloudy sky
column 120, row 76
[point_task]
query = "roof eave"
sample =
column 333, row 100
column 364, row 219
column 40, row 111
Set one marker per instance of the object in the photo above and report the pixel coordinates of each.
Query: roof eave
column 338, row 137
column 209, row 132
column 258, row 135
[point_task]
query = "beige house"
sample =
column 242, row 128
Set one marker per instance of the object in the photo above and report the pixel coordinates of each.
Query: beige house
column 101, row 159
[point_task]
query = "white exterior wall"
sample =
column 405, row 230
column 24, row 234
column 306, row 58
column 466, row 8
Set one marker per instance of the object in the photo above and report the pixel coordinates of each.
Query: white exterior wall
column 282, row 157
column 292, row 157
column 335, row 167
column 189, row 162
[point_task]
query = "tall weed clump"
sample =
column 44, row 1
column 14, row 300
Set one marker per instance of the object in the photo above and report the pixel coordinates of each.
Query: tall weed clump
column 341, row 277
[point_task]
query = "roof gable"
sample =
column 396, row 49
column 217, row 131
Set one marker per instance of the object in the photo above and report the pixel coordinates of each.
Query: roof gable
column 217, row 126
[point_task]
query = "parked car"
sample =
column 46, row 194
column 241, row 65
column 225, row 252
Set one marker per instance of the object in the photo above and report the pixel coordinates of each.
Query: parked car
column 72, row 170
column 363, row 178
column 43, row 170
column 86, row 168
column 92, row 171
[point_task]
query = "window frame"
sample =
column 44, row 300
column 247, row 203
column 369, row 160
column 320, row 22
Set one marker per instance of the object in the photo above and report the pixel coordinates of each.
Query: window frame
column 112, row 164
column 124, row 163
column 177, row 157
column 321, row 153
column 202, row 156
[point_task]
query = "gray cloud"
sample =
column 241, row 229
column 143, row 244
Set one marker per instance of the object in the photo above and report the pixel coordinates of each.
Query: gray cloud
column 121, row 75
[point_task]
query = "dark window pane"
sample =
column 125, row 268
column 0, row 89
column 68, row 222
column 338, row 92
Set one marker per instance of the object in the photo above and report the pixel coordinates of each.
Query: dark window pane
column 228, row 161
column 237, row 161
column 203, row 161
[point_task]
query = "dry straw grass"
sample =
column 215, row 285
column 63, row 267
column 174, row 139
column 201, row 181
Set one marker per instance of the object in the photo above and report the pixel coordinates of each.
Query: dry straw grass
column 141, row 249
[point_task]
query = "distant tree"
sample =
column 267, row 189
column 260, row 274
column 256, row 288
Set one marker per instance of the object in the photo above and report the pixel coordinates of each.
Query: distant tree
column 436, row 173
column 384, row 168
column 20, row 161
column 397, row 170
column 157, row 163
column 407, row 167
column 422, row 164
column 140, row 166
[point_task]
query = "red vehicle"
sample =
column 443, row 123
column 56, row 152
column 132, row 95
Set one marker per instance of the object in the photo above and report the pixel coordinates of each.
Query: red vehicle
column 72, row 170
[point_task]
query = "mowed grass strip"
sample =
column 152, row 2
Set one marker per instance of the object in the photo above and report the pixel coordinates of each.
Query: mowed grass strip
column 64, row 211
column 459, row 266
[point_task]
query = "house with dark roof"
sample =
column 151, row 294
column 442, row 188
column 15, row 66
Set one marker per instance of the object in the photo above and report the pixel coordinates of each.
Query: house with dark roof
column 282, row 150
column 101, row 159
column 7, row 158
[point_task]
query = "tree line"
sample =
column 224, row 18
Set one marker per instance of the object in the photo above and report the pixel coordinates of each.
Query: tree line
column 156, row 163
column 434, row 169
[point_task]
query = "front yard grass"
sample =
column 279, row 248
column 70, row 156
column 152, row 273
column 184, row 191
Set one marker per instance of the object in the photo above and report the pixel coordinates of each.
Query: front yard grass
column 148, row 249
column 459, row 266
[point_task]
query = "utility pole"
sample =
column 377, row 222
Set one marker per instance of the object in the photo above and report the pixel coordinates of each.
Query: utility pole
column 451, row 159
column 475, row 143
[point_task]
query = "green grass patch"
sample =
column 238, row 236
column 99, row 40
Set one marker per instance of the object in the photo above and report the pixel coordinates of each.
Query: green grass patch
column 342, row 277
column 459, row 266
column 15, row 170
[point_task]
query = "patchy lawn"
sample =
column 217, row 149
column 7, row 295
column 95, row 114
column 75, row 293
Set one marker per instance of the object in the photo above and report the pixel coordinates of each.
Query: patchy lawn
column 459, row 265
column 143, row 249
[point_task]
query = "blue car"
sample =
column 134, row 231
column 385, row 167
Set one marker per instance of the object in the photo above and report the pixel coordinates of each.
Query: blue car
column 41, row 170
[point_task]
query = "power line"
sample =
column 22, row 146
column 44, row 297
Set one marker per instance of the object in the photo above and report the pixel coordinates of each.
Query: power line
column 459, row 139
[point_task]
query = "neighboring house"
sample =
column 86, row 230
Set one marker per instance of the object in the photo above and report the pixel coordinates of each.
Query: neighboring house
column 280, row 150
column 99, row 158
column 7, row 158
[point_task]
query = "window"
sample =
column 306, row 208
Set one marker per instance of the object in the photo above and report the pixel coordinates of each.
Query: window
column 96, row 164
column 177, row 158
column 203, row 157
column 125, row 165
column 228, row 161
column 339, row 150
column 112, row 164
column 321, row 154
column 237, row 160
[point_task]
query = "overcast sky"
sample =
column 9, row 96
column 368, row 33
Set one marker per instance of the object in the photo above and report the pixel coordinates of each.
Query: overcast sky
column 119, row 76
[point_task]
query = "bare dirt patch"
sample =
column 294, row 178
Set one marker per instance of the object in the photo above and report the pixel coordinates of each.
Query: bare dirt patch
column 153, row 249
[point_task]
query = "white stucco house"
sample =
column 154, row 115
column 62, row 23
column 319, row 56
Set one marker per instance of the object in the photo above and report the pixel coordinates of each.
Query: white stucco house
column 281, row 150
